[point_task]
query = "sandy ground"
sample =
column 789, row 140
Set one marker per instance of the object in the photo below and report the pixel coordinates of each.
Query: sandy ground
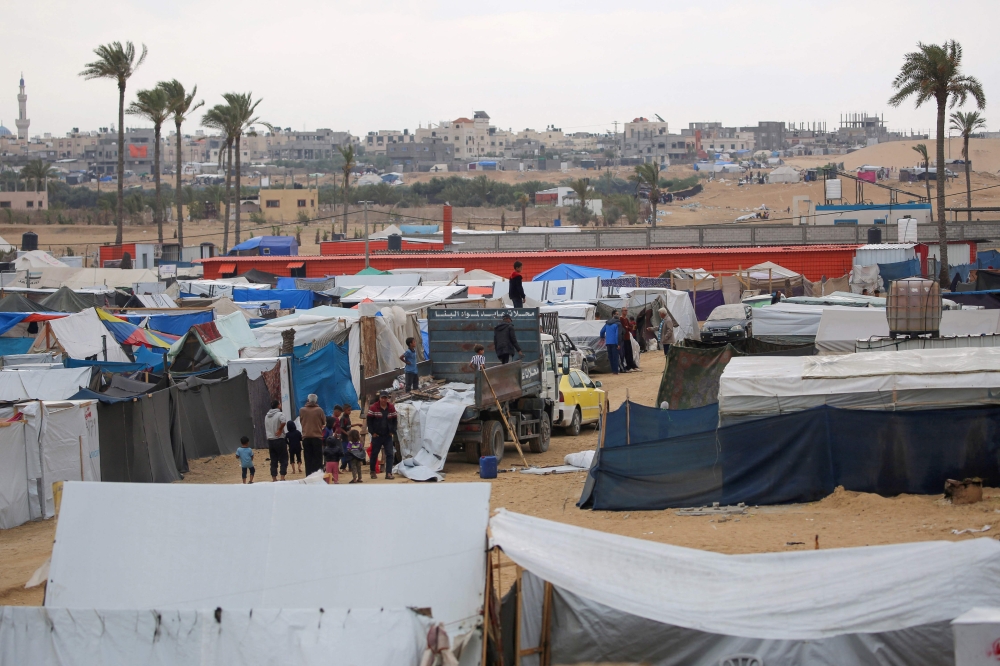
column 843, row 519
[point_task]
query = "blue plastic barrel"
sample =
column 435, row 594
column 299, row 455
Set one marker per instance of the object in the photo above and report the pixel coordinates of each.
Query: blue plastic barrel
column 488, row 467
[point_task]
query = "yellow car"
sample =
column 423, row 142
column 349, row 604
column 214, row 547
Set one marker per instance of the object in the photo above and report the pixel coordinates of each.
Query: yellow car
column 580, row 401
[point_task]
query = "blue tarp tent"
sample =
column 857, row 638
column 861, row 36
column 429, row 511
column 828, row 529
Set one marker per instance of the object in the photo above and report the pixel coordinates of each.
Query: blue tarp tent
column 300, row 299
column 325, row 372
column 281, row 246
column 174, row 324
column 899, row 270
column 108, row 366
column 650, row 424
column 418, row 228
column 15, row 345
column 574, row 272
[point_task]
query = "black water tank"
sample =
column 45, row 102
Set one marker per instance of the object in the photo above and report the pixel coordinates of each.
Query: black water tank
column 29, row 241
column 338, row 237
column 395, row 242
column 874, row 236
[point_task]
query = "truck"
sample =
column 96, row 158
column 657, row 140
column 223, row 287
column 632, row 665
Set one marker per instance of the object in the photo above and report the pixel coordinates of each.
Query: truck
column 525, row 391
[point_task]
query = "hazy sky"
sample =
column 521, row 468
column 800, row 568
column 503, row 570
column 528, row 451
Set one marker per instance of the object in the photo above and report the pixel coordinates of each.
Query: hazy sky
column 580, row 64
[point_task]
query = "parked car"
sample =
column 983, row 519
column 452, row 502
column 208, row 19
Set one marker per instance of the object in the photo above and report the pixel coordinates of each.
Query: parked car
column 580, row 400
column 587, row 356
column 728, row 323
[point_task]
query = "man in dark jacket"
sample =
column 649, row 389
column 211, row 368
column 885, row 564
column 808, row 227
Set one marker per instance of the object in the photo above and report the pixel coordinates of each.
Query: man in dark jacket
column 505, row 341
column 381, row 426
column 516, row 291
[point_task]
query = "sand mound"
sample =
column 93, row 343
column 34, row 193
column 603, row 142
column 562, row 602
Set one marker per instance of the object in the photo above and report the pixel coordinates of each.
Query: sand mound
column 984, row 153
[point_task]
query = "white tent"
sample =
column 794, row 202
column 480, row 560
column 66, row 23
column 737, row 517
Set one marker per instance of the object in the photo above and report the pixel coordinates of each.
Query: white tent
column 670, row 606
column 784, row 319
column 840, row 329
column 678, row 303
column 41, row 382
column 85, row 278
column 13, row 477
column 757, row 386
column 970, row 322
column 33, row 259
column 258, row 637
column 151, row 554
column 81, row 335
column 784, row 174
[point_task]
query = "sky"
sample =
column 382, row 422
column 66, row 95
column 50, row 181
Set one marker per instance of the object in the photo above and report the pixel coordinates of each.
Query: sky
column 578, row 65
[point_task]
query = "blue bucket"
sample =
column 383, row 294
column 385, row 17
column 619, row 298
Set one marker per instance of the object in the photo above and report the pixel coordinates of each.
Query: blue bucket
column 488, row 467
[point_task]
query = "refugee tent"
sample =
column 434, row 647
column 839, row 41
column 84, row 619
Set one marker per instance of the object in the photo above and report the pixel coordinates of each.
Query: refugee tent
column 571, row 311
column 204, row 346
column 784, row 174
column 670, row 605
column 18, row 303
column 970, row 322
column 37, row 259
column 840, row 329
column 116, row 278
column 691, row 375
column 790, row 320
column 382, row 279
column 62, row 444
column 173, row 324
column 81, row 336
column 41, row 382
column 574, row 272
column 127, row 333
column 441, row 570
column 288, row 298
column 326, row 371
column 65, row 299
column 277, row 378
column 257, row 637
column 753, row 387
column 210, row 415
column 281, row 246
column 14, row 508
column 255, row 276
column 678, row 303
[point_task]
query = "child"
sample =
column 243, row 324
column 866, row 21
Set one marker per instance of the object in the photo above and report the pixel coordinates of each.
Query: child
column 245, row 454
column 294, row 437
column 332, row 428
column 355, row 455
column 332, row 452
column 478, row 361
column 409, row 357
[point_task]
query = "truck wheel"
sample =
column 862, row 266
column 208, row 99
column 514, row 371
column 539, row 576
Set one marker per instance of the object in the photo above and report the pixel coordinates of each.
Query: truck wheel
column 493, row 443
column 573, row 429
column 541, row 443
column 472, row 453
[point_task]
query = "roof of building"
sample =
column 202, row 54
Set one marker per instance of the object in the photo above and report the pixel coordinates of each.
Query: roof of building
column 5, row 132
column 463, row 120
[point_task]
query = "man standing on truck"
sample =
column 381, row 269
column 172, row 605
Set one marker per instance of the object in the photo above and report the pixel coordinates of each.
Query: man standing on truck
column 381, row 425
column 505, row 341
column 516, row 290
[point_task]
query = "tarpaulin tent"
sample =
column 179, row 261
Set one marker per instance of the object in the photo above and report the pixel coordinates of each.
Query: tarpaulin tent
column 107, row 366
column 65, row 299
column 40, row 382
column 210, row 415
column 289, row 298
column 280, row 246
column 633, row 423
column 202, row 347
column 130, row 334
column 8, row 320
column 442, row 570
column 987, row 280
column 14, row 508
column 899, row 270
column 10, row 346
column 574, row 272
column 235, row 328
column 174, row 324
column 256, row 276
column 691, row 376
column 672, row 606
column 325, row 372
column 81, row 335
column 706, row 301
column 18, row 303
column 840, row 329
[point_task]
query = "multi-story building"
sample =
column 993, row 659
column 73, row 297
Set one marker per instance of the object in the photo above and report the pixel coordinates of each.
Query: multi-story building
column 139, row 144
column 377, row 143
column 472, row 138
column 320, row 144
column 769, row 135
column 285, row 205
column 422, row 156
column 651, row 141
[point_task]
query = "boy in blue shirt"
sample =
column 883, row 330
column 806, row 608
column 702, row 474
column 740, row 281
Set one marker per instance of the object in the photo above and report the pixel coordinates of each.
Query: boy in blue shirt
column 409, row 357
column 245, row 454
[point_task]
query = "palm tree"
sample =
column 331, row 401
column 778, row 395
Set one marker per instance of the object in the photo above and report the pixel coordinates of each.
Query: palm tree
column 181, row 104
column 581, row 188
column 934, row 72
column 243, row 107
column 522, row 202
column 629, row 207
column 648, row 173
column 967, row 124
column 921, row 149
column 347, row 152
column 153, row 105
column 38, row 171
column 222, row 117
column 118, row 62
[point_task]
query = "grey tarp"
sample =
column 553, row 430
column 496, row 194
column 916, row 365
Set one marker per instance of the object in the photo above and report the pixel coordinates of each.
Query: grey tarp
column 210, row 416
column 65, row 299
column 135, row 440
column 18, row 303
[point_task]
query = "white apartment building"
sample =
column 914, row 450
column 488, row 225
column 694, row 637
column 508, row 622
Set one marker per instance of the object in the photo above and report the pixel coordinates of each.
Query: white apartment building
column 473, row 138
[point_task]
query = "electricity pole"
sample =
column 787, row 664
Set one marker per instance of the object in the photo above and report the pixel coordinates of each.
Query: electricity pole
column 365, row 204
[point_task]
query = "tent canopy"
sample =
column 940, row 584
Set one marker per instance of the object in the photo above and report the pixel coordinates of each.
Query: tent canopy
column 372, row 271
column 65, row 299
column 18, row 303
column 81, row 335
column 574, row 272
column 267, row 246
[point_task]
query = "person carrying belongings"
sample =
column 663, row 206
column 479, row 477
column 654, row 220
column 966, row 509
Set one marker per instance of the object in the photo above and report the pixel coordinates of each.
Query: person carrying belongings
column 381, row 426
column 245, row 454
column 332, row 453
column 355, row 455
column 505, row 340
column 609, row 333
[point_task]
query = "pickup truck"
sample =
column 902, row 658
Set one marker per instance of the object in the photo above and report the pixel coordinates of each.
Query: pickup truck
column 525, row 390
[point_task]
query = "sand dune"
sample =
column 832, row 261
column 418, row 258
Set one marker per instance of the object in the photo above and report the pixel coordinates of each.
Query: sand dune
column 984, row 153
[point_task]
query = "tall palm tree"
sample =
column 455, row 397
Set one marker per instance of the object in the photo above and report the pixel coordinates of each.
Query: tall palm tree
column 648, row 173
column 921, row 149
column 38, row 171
column 119, row 62
column 222, row 117
column 522, row 202
column 582, row 189
column 153, row 105
column 243, row 108
column 181, row 105
column 967, row 124
column 347, row 152
column 934, row 72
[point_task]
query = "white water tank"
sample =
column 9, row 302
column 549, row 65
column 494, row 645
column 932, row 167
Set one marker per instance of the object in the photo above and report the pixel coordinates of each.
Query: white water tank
column 907, row 229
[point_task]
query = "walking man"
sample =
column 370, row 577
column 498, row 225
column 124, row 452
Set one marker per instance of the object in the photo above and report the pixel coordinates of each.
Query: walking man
column 313, row 420
column 516, row 291
column 277, row 447
column 381, row 426
column 505, row 341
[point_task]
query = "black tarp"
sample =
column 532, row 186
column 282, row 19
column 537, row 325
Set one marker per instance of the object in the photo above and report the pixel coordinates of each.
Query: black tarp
column 211, row 415
column 18, row 303
column 135, row 440
column 65, row 299
column 987, row 280
column 255, row 276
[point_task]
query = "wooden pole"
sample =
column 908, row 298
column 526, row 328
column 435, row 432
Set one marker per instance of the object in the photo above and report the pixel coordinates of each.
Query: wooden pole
column 503, row 415
column 486, row 607
column 81, row 457
column 543, row 641
column 604, row 420
column 517, row 617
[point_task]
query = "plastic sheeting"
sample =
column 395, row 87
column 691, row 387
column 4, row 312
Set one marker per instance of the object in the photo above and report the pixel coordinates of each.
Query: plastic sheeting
column 14, row 509
column 839, row 330
column 899, row 270
column 574, row 272
column 261, row 637
column 790, row 319
column 427, row 431
column 10, row 346
column 174, row 324
column 135, row 440
column 970, row 322
column 235, row 327
column 80, row 335
column 210, row 416
column 289, row 298
column 41, row 383
column 327, row 373
column 175, row 562
column 633, row 423
column 706, row 301
column 691, row 376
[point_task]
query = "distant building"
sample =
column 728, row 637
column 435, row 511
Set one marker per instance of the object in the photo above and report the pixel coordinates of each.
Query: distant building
column 420, row 156
column 22, row 121
column 769, row 135
column 472, row 138
column 24, row 200
column 285, row 205
column 320, row 144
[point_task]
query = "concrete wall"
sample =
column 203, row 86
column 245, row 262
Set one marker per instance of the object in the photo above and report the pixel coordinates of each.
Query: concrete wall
column 24, row 200
column 285, row 205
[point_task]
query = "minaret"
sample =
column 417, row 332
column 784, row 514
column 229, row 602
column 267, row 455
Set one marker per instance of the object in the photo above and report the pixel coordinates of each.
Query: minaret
column 22, row 121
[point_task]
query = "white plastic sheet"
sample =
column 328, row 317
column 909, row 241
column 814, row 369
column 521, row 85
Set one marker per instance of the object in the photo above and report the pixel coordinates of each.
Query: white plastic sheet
column 790, row 318
column 839, row 330
column 235, row 327
column 970, row 322
column 42, row 636
column 80, row 336
column 802, row 595
column 151, row 553
column 30, row 382
column 429, row 430
column 13, row 476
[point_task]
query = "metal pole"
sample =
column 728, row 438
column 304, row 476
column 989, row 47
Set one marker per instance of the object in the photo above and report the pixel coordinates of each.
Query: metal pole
column 365, row 203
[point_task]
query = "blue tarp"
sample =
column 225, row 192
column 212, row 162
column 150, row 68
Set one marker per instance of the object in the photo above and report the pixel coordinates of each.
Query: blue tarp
column 706, row 302
column 15, row 345
column 327, row 373
column 9, row 320
column 174, row 324
column 988, row 259
column 300, row 299
column 87, row 394
column 152, row 357
column 801, row 457
column 106, row 366
column 899, row 270
column 292, row 282
column 280, row 246
column 962, row 270
column 574, row 272
column 649, row 424
column 418, row 228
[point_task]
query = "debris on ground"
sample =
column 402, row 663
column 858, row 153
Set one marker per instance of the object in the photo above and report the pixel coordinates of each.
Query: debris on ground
column 714, row 510
column 971, row 530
